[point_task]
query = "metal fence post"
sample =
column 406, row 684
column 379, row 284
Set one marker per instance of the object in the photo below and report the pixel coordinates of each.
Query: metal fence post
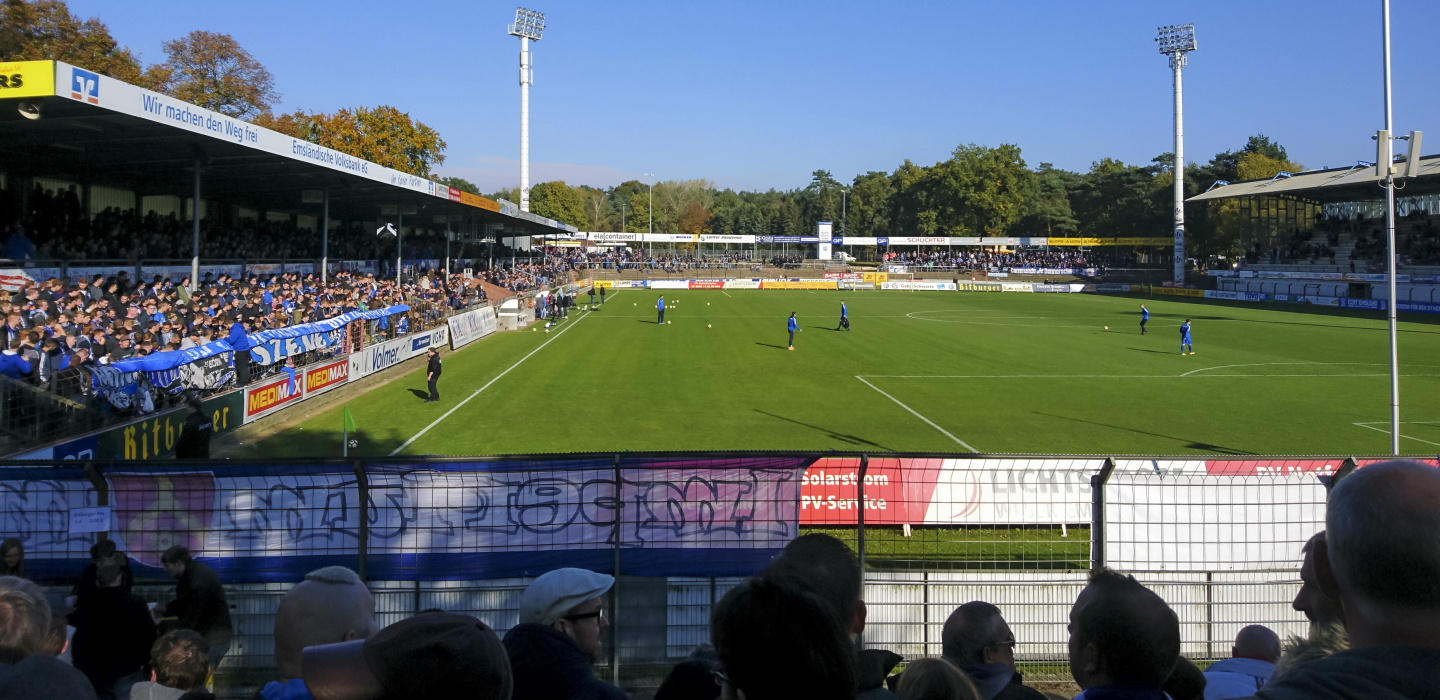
column 860, row 533
column 362, row 547
column 1097, row 513
column 615, row 589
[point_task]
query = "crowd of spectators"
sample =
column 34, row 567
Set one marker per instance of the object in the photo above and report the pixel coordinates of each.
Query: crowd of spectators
column 55, row 225
column 1370, row 589
column 58, row 330
column 1417, row 241
column 966, row 259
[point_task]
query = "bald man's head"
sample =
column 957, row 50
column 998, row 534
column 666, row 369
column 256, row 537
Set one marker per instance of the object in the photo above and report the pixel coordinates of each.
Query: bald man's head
column 1257, row 642
column 1383, row 533
column 331, row 605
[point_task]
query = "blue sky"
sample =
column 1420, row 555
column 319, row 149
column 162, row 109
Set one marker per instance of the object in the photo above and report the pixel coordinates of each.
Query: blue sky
column 757, row 95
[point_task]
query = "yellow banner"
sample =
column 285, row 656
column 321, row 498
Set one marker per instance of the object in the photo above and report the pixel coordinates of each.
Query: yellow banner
column 476, row 200
column 605, row 283
column 1178, row 292
column 27, row 79
column 797, row 284
column 875, row 277
column 1095, row 242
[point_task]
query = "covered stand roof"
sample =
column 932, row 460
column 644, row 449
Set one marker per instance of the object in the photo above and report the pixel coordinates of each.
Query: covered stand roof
column 97, row 130
column 1355, row 184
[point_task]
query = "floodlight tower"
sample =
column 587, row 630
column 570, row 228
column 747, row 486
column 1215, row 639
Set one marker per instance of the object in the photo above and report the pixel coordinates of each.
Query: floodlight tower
column 529, row 25
column 1175, row 41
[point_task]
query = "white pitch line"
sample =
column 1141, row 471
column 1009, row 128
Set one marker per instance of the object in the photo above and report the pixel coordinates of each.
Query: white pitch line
column 962, row 443
column 487, row 385
column 1407, row 437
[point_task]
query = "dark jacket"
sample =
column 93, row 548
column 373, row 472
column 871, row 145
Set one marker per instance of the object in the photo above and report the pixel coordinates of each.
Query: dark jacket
column 113, row 635
column 996, row 681
column 86, row 586
column 200, row 603
column 549, row 666
column 434, row 367
column 1373, row 673
column 194, row 442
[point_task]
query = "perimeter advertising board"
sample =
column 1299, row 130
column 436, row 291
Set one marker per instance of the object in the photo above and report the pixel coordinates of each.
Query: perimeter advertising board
column 323, row 378
column 272, row 395
column 27, row 79
column 471, row 326
column 155, row 437
column 393, row 352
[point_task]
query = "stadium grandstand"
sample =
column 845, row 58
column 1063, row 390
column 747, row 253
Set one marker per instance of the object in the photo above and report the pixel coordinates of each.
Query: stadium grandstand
column 1322, row 233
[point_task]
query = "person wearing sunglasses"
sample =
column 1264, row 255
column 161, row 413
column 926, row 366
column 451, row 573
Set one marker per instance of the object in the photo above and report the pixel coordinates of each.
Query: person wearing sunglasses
column 562, row 628
column 978, row 641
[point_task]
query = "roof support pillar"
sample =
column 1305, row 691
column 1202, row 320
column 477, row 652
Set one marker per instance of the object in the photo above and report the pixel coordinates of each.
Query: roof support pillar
column 325, row 240
column 195, row 251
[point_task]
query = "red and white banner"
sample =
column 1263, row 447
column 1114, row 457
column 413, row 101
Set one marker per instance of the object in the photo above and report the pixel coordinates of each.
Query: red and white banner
column 327, row 376
column 272, row 395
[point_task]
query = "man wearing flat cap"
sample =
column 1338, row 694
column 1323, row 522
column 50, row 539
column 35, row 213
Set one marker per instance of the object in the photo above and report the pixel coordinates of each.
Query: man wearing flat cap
column 555, row 646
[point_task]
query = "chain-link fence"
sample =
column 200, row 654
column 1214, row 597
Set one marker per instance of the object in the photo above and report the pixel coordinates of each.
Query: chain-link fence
column 1218, row 539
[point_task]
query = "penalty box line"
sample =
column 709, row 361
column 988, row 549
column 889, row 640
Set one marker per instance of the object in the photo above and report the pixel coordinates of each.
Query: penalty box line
column 466, row 400
column 913, row 412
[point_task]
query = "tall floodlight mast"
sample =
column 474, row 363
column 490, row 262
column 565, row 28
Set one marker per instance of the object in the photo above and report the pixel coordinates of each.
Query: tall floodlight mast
column 529, row 25
column 1175, row 41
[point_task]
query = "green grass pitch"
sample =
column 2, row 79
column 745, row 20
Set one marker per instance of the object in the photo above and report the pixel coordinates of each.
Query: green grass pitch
column 921, row 371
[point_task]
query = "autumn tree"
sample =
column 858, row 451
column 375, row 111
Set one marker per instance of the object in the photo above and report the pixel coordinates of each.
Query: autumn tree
column 213, row 71
column 382, row 135
column 695, row 219
column 41, row 30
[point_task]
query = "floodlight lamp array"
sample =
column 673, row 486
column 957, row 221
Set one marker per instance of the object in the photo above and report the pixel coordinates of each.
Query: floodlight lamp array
column 528, row 23
column 1176, row 38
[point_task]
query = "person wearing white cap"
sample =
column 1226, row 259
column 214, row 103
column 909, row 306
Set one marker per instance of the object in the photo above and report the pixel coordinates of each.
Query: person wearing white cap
column 562, row 626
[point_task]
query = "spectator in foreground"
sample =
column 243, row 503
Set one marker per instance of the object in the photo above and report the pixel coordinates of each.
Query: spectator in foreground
column 179, row 667
column 831, row 568
column 199, row 603
column 977, row 640
column 25, row 672
column 1252, row 660
column 1327, row 619
column 431, row 656
column 330, row 606
column 936, row 679
column 12, row 557
column 1381, row 559
column 1124, row 640
column 102, row 553
column 776, row 640
column 1186, row 682
column 555, row 646
column 113, row 635
column 691, row 679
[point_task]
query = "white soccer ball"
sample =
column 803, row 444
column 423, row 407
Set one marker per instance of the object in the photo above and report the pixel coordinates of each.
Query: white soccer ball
column 668, row 323
column 707, row 303
column 634, row 304
column 354, row 443
column 707, row 325
column 1107, row 328
column 547, row 330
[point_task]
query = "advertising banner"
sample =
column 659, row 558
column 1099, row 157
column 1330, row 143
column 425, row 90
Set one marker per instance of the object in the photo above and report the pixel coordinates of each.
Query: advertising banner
column 27, row 79
column 1235, row 296
column 1016, row 287
column 858, row 240
column 798, row 284
column 726, row 238
column 154, row 437
column 13, row 279
column 471, row 326
column 599, row 237
column 854, row 284
column 393, row 352
column 1110, row 287
column 623, row 284
column 742, row 284
column 919, row 240
column 271, row 395
column 668, row 237
column 1417, row 307
column 707, row 284
column 843, row 276
column 981, row 286
column 669, row 284
column 919, row 285
column 1178, row 292
column 326, row 376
